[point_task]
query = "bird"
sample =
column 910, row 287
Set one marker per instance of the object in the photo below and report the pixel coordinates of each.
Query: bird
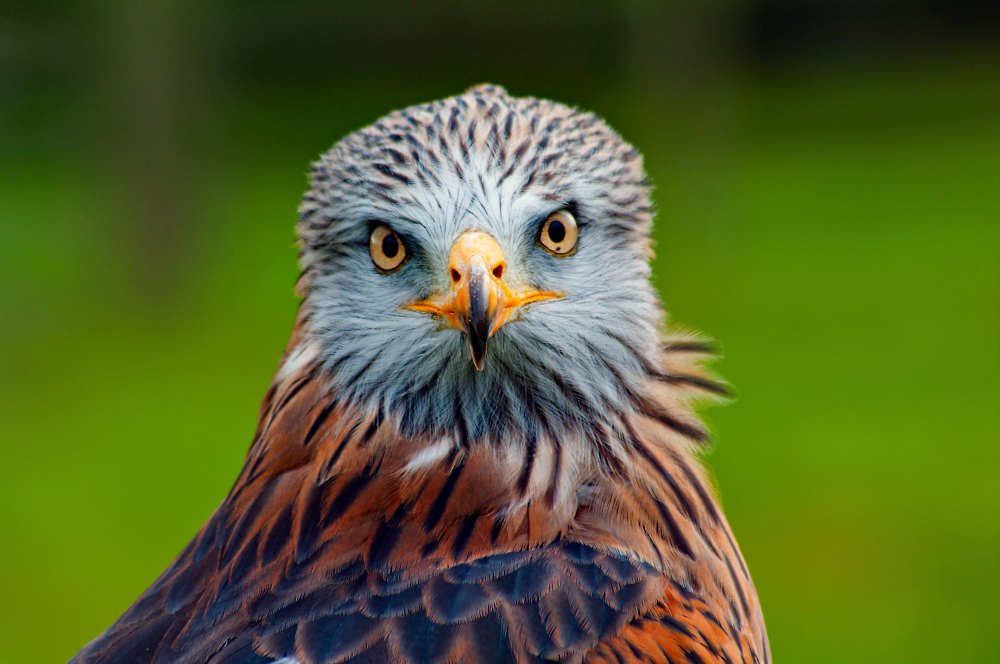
column 481, row 444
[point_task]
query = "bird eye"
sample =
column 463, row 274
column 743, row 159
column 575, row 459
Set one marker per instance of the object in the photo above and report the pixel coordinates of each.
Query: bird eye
column 387, row 249
column 558, row 233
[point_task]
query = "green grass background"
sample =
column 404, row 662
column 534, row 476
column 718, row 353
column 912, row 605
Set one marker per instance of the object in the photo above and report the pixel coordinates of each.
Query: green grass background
column 841, row 240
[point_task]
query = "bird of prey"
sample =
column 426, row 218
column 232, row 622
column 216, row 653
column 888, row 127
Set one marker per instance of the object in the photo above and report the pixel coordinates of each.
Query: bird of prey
column 480, row 444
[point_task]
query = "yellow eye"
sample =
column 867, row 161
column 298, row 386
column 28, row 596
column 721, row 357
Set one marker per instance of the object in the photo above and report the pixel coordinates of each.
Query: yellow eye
column 559, row 233
column 387, row 249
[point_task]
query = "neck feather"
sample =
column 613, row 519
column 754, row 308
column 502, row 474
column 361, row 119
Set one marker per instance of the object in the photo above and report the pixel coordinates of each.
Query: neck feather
column 538, row 481
column 345, row 481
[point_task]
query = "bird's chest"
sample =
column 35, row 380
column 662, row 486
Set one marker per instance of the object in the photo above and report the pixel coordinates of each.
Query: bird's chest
column 557, row 602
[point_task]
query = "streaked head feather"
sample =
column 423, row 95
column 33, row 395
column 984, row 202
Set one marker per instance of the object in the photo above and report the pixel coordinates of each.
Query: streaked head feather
column 490, row 162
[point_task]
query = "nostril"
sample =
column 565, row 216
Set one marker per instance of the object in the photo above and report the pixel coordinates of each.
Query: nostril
column 455, row 276
column 498, row 271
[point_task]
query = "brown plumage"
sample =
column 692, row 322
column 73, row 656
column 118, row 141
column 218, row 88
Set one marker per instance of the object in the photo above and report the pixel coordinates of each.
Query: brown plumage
column 356, row 534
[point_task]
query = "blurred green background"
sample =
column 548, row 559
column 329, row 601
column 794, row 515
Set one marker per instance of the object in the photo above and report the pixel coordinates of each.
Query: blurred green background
column 828, row 184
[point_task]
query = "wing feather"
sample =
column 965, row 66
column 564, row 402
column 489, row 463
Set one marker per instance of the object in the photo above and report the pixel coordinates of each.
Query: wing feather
column 328, row 550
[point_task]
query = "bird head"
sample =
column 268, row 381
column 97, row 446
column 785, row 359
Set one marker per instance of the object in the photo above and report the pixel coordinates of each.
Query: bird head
column 479, row 266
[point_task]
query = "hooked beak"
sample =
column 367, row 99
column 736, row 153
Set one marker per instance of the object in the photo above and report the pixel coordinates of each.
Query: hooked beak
column 480, row 301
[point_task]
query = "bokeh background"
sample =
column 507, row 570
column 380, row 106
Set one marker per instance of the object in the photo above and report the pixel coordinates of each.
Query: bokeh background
column 828, row 184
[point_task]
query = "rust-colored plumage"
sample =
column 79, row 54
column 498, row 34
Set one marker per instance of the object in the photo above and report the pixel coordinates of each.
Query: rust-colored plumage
column 354, row 535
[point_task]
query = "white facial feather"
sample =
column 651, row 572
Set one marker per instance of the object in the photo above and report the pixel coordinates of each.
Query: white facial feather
column 483, row 161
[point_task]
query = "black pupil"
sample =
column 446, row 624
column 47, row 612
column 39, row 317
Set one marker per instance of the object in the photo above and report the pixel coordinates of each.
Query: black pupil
column 390, row 246
column 557, row 232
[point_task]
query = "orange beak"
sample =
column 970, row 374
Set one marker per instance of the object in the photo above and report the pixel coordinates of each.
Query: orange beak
column 479, row 302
